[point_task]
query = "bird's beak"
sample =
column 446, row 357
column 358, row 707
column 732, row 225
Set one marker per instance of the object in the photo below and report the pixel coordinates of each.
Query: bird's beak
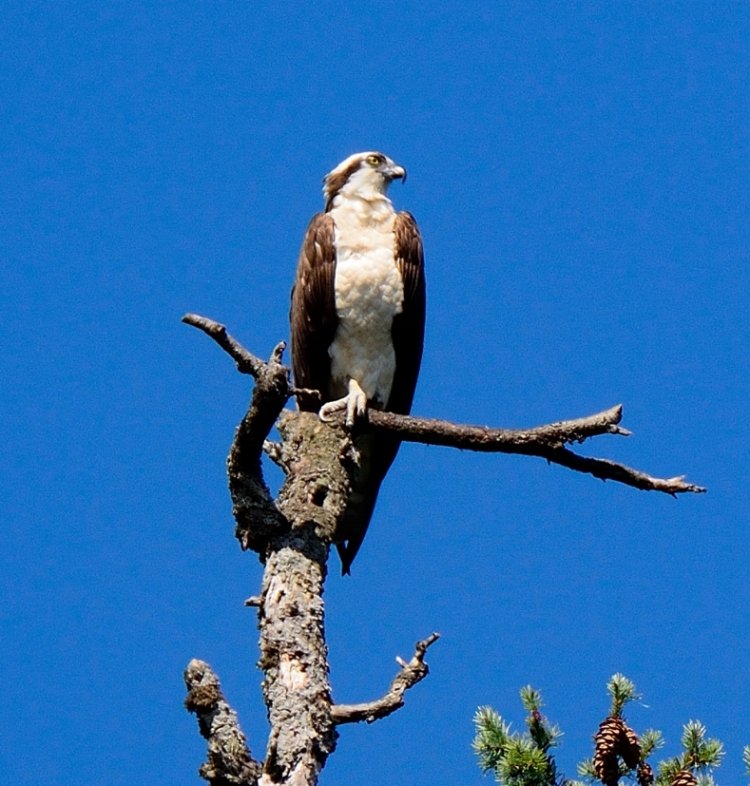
column 393, row 171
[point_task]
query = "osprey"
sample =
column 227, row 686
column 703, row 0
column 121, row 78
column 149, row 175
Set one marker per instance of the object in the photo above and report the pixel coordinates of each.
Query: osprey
column 357, row 319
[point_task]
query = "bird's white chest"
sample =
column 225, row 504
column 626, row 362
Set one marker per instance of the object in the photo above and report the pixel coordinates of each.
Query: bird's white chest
column 369, row 294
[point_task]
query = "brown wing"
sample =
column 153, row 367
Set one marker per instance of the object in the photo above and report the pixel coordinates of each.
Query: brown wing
column 408, row 326
column 312, row 316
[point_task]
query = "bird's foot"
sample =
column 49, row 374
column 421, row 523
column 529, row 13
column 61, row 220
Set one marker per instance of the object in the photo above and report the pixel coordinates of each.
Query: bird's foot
column 327, row 411
column 354, row 403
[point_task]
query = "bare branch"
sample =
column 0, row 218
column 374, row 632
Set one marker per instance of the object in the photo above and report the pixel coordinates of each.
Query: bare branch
column 230, row 762
column 411, row 673
column 254, row 510
column 499, row 440
column 546, row 442
column 604, row 469
column 247, row 363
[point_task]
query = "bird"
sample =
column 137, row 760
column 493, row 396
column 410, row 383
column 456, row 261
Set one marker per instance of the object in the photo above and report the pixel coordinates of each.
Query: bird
column 357, row 320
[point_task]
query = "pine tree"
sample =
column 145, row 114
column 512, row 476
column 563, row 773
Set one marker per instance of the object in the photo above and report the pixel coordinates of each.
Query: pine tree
column 699, row 757
column 524, row 759
column 516, row 758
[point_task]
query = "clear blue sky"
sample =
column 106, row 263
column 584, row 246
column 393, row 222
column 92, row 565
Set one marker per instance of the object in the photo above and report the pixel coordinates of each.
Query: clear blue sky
column 580, row 172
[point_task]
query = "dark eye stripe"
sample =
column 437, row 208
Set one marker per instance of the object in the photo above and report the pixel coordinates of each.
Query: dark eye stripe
column 335, row 183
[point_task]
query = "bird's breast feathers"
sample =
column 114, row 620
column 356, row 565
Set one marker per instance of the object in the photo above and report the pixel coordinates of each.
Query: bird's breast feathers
column 369, row 293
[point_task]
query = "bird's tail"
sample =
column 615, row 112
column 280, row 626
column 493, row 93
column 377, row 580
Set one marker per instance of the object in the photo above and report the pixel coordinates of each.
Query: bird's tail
column 376, row 454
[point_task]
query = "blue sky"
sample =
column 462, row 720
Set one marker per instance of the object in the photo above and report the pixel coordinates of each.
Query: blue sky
column 580, row 172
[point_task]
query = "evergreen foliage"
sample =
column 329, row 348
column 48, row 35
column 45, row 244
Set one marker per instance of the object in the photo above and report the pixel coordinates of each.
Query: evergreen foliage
column 517, row 758
column 620, row 755
column 700, row 755
column 622, row 690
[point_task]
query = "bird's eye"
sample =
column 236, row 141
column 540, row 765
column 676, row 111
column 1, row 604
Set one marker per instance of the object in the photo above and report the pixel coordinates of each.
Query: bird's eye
column 374, row 160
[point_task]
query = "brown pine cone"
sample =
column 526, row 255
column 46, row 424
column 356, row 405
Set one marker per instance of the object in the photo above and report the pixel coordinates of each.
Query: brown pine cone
column 645, row 774
column 606, row 740
column 684, row 778
column 607, row 770
column 606, row 743
column 629, row 747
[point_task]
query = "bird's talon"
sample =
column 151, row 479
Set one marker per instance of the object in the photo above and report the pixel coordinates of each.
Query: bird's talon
column 326, row 412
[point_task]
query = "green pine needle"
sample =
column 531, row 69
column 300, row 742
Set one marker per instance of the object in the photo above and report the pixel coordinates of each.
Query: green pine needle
column 517, row 759
column 531, row 699
column 524, row 765
column 523, row 759
column 490, row 724
column 544, row 734
column 586, row 769
column 492, row 737
column 667, row 770
column 622, row 690
column 693, row 733
column 651, row 740
column 700, row 753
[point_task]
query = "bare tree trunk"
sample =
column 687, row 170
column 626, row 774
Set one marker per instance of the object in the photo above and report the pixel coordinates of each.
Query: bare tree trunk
column 294, row 656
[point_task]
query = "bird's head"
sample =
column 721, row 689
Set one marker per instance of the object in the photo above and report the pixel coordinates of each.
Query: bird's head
column 364, row 175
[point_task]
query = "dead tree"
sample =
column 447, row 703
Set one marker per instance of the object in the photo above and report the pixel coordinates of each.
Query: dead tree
column 293, row 533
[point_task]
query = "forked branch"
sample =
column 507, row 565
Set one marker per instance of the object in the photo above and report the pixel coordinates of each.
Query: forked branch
column 411, row 673
column 547, row 442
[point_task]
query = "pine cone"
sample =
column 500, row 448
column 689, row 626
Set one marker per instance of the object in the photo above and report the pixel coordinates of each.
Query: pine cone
column 684, row 778
column 607, row 770
column 645, row 774
column 606, row 743
column 607, row 738
column 629, row 747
